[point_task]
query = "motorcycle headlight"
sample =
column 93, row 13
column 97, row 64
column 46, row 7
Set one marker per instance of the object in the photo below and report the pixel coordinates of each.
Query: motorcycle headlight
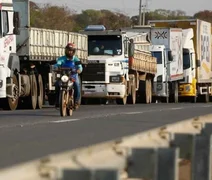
column 64, row 78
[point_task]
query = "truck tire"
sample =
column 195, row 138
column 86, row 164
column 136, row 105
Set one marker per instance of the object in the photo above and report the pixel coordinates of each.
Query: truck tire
column 40, row 92
column 147, row 91
column 176, row 96
column 34, row 92
column 150, row 91
column 12, row 103
column 123, row 101
column 207, row 96
column 131, row 99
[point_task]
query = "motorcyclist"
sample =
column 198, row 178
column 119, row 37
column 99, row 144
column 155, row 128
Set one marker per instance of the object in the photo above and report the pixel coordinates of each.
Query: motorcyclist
column 69, row 56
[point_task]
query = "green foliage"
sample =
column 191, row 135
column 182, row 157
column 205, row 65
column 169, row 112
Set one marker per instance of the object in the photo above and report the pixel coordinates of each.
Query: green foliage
column 62, row 18
column 204, row 15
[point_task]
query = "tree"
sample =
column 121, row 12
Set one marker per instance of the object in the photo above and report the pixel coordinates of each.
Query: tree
column 204, row 15
column 52, row 17
column 161, row 14
column 87, row 17
column 62, row 18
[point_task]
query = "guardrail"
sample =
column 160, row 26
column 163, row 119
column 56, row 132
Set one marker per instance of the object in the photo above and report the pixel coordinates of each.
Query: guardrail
column 166, row 153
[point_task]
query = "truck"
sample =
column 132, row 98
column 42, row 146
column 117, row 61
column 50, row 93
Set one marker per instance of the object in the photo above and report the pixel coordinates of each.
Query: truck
column 166, row 46
column 26, row 57
column 120, row 66
column 197, row 81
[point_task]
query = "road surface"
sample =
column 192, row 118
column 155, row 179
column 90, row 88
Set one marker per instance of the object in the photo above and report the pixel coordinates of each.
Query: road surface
column 27, row 135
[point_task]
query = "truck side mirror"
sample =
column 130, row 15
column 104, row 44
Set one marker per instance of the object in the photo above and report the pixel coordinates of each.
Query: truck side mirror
column 198, row 63
column 131, row 48
column 16, row 23
column 170, row 56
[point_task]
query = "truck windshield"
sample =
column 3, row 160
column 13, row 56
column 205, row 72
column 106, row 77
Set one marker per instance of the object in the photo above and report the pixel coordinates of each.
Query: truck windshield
column 105, row 45
column 186, row 60
column 158, row 55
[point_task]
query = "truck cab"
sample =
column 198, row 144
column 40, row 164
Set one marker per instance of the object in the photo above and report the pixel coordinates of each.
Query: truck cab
column 187, row 87
column 107, row 67
column 9, row 62
column 161, row 78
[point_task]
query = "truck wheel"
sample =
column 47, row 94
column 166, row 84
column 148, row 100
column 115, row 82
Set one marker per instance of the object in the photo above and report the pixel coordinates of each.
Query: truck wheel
column 12, row 103
column 147, row 91
column 34, row 92
column 132, row 98
column 40, row 92
column 123, row 100
column 150, row 91
column 207, row 96
column 176, row 99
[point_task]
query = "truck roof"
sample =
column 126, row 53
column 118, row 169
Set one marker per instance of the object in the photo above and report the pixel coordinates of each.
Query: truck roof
column 176, row 20
column 101, row 33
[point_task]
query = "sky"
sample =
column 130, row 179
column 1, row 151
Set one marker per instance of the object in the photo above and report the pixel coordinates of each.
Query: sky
column 130, row 7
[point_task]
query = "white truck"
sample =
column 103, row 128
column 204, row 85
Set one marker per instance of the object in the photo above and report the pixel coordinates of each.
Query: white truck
column 166, row 46
column 26, row 55
column 120, row 66
column 197, row 54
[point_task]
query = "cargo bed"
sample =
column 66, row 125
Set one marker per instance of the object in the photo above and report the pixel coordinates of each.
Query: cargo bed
column 37, row 44
column 142, row 61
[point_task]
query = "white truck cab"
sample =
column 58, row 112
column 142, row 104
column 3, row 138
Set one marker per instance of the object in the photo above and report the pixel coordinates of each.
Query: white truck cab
column 160, row 80
column 107, row 64
column 9, row 62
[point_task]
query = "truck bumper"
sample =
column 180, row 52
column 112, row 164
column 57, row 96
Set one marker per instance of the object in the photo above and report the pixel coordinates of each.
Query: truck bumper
column 159, row 89
column 103, row 91
column 3, row 75
column 186, row 90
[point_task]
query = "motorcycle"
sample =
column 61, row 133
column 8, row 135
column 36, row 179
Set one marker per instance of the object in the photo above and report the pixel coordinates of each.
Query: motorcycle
column 66, row 97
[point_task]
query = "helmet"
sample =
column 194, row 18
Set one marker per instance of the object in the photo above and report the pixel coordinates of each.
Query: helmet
column 69, row 47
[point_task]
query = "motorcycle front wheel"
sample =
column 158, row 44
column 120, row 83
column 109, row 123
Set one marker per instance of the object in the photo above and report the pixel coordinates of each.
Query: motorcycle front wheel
column 63, row 104
column 71, row 103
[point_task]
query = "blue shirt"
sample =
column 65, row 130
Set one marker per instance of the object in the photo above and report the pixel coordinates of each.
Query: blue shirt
column 68, row 63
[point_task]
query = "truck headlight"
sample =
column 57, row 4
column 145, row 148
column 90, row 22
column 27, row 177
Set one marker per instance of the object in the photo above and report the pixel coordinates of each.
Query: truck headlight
column 188, row 88
column 115, row 79
column 64, row 78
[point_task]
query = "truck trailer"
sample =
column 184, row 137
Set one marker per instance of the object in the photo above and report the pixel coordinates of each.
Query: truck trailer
column 120, row 66
column 26, row 56
column 197, row 57
column 166, row 46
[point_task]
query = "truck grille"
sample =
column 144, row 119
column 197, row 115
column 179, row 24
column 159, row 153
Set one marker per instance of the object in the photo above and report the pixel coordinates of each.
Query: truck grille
column 94, row 72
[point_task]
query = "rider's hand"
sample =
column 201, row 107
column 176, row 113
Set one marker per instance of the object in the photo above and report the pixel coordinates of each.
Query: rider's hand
column 78, row 71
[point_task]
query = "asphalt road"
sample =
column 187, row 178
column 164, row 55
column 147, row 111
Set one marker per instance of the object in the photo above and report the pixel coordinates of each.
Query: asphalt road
column 26, row 135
